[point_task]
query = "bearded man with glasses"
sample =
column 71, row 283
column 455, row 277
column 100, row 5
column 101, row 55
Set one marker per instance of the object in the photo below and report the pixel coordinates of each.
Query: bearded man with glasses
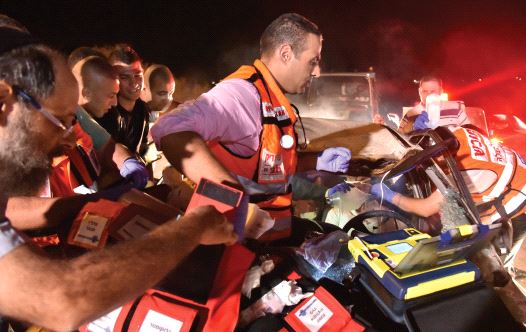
column 38, row 98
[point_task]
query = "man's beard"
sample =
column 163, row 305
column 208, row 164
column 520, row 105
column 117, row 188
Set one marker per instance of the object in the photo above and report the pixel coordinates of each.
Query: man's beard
column 24, row 167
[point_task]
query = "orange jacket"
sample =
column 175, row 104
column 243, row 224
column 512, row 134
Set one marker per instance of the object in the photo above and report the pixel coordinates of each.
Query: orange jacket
column 476, row 152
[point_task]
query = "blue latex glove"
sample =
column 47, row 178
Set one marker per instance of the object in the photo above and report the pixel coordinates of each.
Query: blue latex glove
column 421, row 121
column 134, row 170
column 339, row 188
column 382, row 192
column 334, row 160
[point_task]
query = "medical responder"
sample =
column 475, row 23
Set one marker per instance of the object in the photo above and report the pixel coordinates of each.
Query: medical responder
column 494, row 174
column 428, row 85
column 242, row 130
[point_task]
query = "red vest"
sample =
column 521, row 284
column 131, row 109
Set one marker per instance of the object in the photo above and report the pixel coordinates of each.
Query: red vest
column 272, row 163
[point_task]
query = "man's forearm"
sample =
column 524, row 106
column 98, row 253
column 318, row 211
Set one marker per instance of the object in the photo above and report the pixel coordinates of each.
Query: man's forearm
column 423, row 207
column 64, row 294
column 114, row 153
column 27, row 213
column 306, row 161
column 111, row 156
column 189, row 154
column 134, row 266
column 30, row 212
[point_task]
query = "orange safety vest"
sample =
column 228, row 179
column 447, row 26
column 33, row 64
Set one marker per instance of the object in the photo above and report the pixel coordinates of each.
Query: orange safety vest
column 78, row 166
column 477, row 152
column 272, row 164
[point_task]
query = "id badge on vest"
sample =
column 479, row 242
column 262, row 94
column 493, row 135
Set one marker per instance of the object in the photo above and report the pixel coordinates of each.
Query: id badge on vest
column 271, row 167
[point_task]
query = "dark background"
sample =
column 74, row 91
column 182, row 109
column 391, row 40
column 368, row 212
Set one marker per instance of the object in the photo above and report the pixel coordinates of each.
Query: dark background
column 478, row 47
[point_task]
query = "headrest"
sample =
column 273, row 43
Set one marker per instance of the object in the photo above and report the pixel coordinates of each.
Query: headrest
column 453, row 113
column 12, row 39
column 447, row 114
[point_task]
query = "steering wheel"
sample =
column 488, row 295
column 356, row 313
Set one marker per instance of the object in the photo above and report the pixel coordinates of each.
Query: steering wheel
column 357, row 221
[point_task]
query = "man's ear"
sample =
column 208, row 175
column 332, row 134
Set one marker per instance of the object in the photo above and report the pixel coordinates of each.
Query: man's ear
column 6, row 91
column 285, row 53
column 85, row 94
column 420, row 94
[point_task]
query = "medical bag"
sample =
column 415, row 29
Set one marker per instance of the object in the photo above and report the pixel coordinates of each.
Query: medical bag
column 214, row 309
column 321, row 312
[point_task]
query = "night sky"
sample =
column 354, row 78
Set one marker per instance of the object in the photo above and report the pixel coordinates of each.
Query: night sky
column 478, row 47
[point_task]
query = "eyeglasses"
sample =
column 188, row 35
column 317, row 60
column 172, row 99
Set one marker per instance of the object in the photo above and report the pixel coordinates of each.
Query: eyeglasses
column 27, row 98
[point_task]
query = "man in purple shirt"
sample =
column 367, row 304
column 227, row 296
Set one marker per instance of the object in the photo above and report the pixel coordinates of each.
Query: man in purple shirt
column 231, row 112
column 231, row 104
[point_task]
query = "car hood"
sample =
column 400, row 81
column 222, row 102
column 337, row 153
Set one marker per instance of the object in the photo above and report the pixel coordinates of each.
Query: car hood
column 370, row 141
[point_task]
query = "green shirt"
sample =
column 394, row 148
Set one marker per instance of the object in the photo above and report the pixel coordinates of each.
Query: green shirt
column 98, row 135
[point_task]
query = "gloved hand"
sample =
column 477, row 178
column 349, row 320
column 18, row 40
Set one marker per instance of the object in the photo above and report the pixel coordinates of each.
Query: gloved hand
column 334, row 160
column 134, row 170
column 421, row 121
column 382, row 192
column 340, row 187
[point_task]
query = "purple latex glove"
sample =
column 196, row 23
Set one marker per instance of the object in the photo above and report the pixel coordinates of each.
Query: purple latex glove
column 334, row 160
column 340, row 187
column 382, row 192
column 421, row 121
column 134, row 170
